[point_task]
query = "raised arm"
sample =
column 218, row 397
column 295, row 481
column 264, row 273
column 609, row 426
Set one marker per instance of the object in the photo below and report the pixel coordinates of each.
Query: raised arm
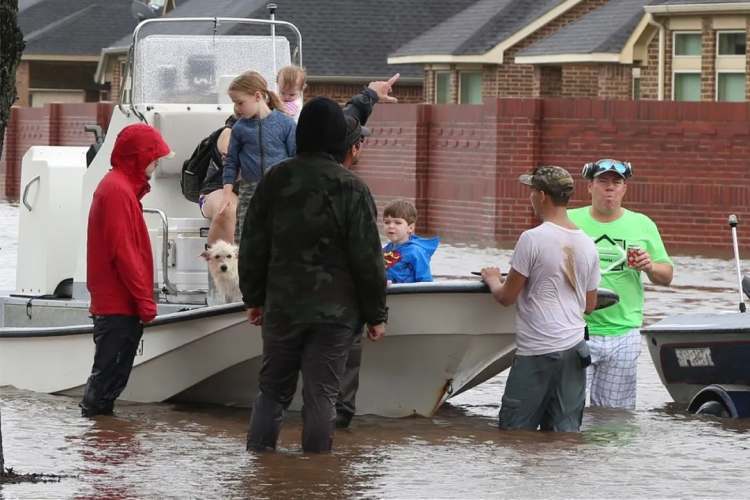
column 360, row 106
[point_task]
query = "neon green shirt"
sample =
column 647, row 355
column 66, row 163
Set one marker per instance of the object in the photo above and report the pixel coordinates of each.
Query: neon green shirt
column 611, row 240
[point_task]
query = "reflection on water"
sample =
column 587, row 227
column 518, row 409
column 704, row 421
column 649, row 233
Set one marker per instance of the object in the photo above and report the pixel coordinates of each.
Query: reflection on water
column 185, row 451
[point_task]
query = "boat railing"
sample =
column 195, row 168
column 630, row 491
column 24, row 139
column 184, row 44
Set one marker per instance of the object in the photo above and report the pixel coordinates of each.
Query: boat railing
column 169, row 287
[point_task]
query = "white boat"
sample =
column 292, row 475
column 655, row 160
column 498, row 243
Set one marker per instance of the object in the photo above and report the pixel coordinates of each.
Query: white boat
column 442, row 337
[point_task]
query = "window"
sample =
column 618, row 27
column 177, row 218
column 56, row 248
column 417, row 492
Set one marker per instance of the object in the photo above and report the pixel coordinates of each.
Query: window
column 732, row 43
column 442, row 87
column 730, row 87
column 636, row 83
column 687, row 44
column 687, row 86
column 471, row 87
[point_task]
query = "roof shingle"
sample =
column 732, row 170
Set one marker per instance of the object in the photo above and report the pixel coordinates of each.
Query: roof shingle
column 75, row 28
column 603, row 30
column 478, row 28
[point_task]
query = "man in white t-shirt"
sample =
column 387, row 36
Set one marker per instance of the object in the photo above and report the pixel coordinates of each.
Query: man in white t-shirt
column 553, row 279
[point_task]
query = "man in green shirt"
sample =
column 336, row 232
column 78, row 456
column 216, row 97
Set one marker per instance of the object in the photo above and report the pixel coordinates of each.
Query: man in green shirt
column 614, row 331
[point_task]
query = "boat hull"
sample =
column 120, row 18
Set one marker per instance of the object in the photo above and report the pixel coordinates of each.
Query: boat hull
column 439, row 338
column 693, row 351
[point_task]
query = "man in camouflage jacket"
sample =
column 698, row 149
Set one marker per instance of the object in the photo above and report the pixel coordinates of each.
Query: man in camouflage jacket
column 311, row 270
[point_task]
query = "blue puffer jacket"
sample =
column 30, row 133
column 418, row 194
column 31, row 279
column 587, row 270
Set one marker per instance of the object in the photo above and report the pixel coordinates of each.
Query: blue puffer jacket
column 409, row 262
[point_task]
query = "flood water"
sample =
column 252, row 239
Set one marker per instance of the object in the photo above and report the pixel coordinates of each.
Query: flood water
column 165, row 450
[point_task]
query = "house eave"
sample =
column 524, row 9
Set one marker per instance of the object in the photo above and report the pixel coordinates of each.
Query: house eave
column 101, row 67
column 595, row 57
column 698, row 8
column 59, row 57
column 443, row 59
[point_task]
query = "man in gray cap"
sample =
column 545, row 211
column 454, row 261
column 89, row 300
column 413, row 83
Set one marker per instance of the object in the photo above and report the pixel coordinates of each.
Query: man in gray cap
column 553, row 278
column 356, row 115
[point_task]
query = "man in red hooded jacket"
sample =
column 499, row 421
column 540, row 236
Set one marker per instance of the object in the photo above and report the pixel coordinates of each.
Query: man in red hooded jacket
column 120, row 270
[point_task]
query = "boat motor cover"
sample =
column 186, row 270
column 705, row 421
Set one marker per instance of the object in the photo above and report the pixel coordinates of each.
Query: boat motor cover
column 120, row 270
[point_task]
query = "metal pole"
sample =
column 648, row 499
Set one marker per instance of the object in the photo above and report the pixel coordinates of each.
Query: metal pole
column 272, row 12
column 733, row 225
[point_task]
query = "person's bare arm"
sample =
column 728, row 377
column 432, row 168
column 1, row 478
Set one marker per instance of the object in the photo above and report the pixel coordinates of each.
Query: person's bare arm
column 505, row 292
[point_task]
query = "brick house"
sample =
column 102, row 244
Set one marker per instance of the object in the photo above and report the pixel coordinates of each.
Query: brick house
column 610, row 49
column 63, row 43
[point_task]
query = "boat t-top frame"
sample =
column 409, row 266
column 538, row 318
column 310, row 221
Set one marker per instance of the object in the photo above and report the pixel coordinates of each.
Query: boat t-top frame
column 218, row 26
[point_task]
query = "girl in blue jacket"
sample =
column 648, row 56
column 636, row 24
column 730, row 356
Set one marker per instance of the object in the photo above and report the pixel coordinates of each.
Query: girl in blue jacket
column 262, row 137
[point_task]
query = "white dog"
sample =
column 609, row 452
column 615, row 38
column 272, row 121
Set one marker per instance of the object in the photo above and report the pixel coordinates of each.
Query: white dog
column 222, row 264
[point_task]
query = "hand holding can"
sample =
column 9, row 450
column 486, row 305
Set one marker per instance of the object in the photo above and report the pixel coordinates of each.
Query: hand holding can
column 632, row 253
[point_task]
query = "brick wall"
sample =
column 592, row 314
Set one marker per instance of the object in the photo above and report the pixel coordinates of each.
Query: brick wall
column 23, row 79
column 52, row 125
column 615, row 81
column 708, row 61
column 650, row 71
column 429, row 85
column 461, row 163
column 580, row 80
column 114, row 88
column 548, row 81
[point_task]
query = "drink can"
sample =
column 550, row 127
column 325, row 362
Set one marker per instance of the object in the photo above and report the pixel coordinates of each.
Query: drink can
column 632, row 254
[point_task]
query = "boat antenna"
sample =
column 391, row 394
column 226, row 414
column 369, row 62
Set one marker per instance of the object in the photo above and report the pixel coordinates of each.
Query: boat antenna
column 733, row 226
column 272, row 14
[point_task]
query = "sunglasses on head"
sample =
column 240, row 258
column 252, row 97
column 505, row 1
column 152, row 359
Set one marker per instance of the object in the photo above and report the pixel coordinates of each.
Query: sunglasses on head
column 591, row 170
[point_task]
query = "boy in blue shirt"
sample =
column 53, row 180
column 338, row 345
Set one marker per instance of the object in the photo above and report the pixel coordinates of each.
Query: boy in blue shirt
column 407, row 256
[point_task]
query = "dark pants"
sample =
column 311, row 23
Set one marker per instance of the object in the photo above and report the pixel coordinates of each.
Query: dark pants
column 246, row 192
column 317, row 350
column 546, row 391
column 116, row 339
column 345, row 404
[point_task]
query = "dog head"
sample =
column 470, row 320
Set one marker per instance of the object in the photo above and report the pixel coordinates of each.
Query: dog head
column 221, row 256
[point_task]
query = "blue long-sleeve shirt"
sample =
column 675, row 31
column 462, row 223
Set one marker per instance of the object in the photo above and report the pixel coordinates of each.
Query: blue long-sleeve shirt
column 277, row 132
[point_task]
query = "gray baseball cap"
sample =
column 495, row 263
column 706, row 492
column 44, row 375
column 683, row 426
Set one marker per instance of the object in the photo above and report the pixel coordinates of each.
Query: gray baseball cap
column 354, row 131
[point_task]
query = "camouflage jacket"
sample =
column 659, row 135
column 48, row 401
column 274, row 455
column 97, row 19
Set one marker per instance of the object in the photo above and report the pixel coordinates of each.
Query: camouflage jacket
column 310, row 250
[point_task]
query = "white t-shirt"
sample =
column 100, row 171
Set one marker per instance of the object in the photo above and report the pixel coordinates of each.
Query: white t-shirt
column 550, row 307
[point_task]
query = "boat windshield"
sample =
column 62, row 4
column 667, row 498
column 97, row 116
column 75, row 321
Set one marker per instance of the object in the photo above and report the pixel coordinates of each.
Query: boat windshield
column 198, row 68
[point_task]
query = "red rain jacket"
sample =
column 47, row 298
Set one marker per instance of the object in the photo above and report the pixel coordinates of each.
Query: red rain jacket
column 120, row 269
